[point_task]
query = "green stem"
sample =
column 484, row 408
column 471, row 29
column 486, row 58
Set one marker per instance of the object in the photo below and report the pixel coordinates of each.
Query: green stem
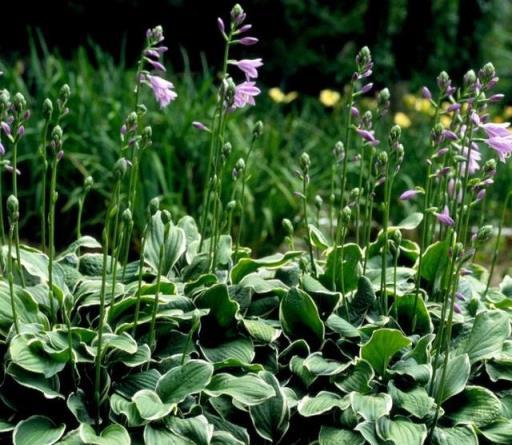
column 51, row 230
column 152, row 334
column 2, row 224
column 10, row 275
column 306, row 224
column 139, row 281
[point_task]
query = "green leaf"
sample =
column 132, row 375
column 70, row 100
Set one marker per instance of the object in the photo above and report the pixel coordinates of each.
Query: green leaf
column 300, row 319
column 196, row 429
column 318, row 365
column 342, row 327
column 475, row 405
column 498, row 432
column 76, row 403
column 317, row 237
column 323, row 402
column 149, row 405
column 261, row 330
column 248, row 389
column 174, row 247
column 357, row 378
column 434, row 261
column 371, row 407
column 37, row 430
column 363, row 299
column 457, row 375
column 245, row 266
column 382, row 346
column 401, row 431
column 459, row 435
column 415, row 401
column 325, row 300
column 271, row 418
column 158, row 435
column 406, row 307
column 347, row 279
column 411, row 222
column 48, row 386
column 222, row 308
column 112, row 435
column 490, row 330
column 241, row 349
column 334, row 436
column 184, row 380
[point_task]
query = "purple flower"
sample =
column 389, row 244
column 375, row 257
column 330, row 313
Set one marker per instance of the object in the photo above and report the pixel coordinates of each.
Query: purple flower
column 460, row 296
column 456, row 308
column 444, row 217
column 245, row 93
column 2, row 149
column 245, row 28
column 493, row 130
column 481, row 195
column 496, row 97
column 502, row 145
column 408, row 195
column 450, row 135
column 366, row 88
column 248, row 41
column 220, row 24
column 200, row 126
column 474, row 158
column 6, row 128
column 248, row 66
column 156, row 65
column 162, row 89
column 21, row 131
column 475, row 118
column 368, row 136
column 426, row 93
column 453, row 107
column 354, row 111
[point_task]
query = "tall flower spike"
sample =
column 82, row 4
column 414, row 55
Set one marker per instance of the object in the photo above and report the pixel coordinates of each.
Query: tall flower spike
column 162, row 89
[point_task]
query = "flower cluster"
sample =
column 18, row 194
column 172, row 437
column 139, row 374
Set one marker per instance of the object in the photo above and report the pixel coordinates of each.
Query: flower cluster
column 162, row 88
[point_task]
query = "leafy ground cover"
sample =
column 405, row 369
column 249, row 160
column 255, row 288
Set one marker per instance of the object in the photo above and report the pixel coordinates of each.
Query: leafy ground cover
column 355, row 334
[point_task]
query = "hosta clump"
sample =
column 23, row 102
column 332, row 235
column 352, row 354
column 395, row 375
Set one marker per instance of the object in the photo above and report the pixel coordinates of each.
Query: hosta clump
column 354, row 336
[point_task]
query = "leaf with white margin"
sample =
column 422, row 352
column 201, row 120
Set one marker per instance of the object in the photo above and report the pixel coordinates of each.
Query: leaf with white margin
column 323, row 402
column 248, row 389
column 459, row 435
column 475, row 406
column 149, row 405
column 37, row 430
column 401, row 431
column 371, row 407
column 334, row 436
column 114, row 434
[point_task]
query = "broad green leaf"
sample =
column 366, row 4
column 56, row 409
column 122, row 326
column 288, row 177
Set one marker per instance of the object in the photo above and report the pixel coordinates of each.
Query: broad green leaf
column 357, row 378
column 241, row 349
column 459, row 435
column 76, row 403
column 371, row 407
column 415, row 401
column 318, row 365
column 325, row 300
column 126, row 408
column 490, row 330
column 196, row 429
column 159, row 435
column 334, row 436
column 407, row 307
column 434, row 261
column 175, row 246
column 457, row 375
column 323, row 402
column 363, row 300
column 342, row 327
column 245, row 266
column 499, row 369
column 475, row 405
column 149, row 405
column 137, row 381
column 87, row 242
column 37, row 430
column 248, row 389
column 401, row 431
column 317, row 237
column 48, row 386
column 343, row 268
column 411, row 222
column 300, row 319
column 222, row 308
column 498, row 432
column 271, row 418
column 225, row 438
column 112, row 435
column 382, row 346
column 184, row 380
column 261, row 330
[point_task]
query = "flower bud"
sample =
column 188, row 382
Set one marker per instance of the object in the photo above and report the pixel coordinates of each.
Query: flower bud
column 231, row 205
column 425, row 92
column 154, row 206
column 131, row 120
column 56, row 135
column 318, row 202
column 88, row 183
column 444, row 82
column 304, row 162
column 487, row 73
column 367, row 120
column 226, row 150
column 13, row 209
column 338, row 151
column 240, row 165
column 394, row 135
column 382, row 159
column 469, row 81
column 484, row 234
column 120, row 167
column 165, row 215
column 47, row 109
column 288, row 226
column 19, row 102
column 127, row 217
column 354, row 194
column 258, row 129
column 346, row 215
column 237, row 14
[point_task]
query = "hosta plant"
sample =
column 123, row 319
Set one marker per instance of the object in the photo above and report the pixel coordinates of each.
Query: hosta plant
column 354, row 334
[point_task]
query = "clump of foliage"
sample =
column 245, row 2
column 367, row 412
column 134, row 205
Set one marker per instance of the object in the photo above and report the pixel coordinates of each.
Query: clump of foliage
column 350, row 336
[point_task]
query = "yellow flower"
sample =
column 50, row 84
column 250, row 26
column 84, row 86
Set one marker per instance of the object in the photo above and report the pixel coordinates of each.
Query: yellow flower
column 423, row 106
column 508, row 112
column 329, row 98
column 446, row 121
column 498, row 119
column 409, row 100
column 402, row 119
column 279, row 97
column 276, row 95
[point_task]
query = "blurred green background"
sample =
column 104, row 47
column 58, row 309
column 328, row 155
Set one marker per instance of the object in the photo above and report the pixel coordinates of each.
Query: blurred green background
column 307, row 46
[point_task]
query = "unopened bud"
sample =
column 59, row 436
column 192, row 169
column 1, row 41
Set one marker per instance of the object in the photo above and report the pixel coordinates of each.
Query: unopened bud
column 154, row 206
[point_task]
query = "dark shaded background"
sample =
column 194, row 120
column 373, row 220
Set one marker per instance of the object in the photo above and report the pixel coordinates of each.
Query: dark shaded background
column 305, row 43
